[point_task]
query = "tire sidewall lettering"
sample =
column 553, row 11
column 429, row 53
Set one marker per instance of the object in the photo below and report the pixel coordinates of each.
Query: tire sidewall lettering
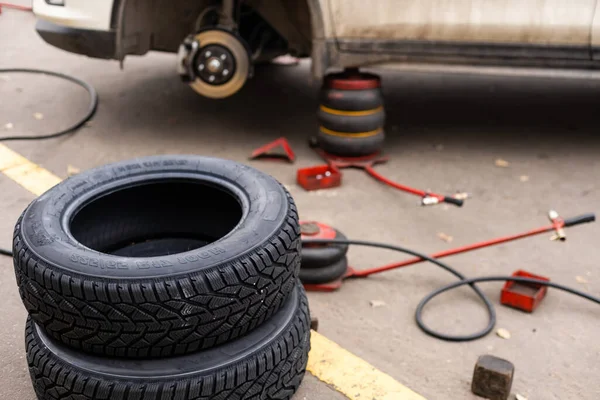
column 264, row 201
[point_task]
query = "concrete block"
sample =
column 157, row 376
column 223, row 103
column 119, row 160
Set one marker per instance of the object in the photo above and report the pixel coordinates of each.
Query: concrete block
column 492, row 378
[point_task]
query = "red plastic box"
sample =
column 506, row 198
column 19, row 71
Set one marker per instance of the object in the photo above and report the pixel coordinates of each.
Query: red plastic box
column 524, row 296
column 319, row 177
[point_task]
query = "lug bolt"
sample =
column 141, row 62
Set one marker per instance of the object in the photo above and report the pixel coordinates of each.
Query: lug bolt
column 223, row 56
column 201, row 67
column 211, row 78
column 214, row 65
column 207, row 54
column 225, row 72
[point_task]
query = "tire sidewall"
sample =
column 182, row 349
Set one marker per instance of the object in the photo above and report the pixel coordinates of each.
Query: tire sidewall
column 327, row 274
column 263, row 200
column 277, row 350
column 220, row 357
column 317, row 257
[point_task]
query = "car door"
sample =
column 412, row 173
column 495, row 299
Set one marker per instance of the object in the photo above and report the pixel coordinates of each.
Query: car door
column 484, row 28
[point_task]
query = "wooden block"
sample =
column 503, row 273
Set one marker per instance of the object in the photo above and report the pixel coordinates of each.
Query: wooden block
column 492, row 378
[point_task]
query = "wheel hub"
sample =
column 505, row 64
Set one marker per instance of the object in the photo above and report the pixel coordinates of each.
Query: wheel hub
column 215, row 64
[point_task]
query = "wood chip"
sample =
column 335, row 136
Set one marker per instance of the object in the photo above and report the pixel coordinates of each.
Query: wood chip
column 581, row 279
column 524, row 178
column 520, row 397
column 445, row 238
column 377, row 303
column 71, row 170
column 503, row 333
column 323, row 193
column 462, row 196
column 502, row 163
column 38, row 116
column 9, row 125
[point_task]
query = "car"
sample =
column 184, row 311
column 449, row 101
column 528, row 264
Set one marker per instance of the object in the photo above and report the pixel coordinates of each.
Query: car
column 218, row 42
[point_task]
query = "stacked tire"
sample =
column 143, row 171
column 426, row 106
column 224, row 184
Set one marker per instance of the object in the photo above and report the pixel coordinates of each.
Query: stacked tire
column 322, row 263
column 351, row 114
column 170, row 277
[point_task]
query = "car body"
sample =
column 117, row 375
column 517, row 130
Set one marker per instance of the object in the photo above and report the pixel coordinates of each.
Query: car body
column 561, row 34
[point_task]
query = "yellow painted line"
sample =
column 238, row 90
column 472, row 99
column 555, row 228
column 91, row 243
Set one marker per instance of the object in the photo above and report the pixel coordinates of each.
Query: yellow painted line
column 27, row 174
column 361, row 113
column 351, row 375
column 327, row 361
column 349, row 135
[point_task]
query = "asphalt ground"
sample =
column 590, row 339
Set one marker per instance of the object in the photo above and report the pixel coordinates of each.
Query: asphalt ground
column 445, row 133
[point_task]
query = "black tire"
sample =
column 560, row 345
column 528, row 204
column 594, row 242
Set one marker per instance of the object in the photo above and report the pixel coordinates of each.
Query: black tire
column 351, row 100
column 348, row 146
column 326, row 274
column 267, row 364
column 375, row 119
column 166, row 304
column 321, row 256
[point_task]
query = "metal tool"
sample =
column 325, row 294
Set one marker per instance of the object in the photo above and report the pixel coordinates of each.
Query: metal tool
column 558, row 224
column 368, row 164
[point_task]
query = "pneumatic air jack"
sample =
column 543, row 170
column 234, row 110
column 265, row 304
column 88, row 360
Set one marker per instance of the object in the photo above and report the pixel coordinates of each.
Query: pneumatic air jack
column 320, row 241
column 351, row 134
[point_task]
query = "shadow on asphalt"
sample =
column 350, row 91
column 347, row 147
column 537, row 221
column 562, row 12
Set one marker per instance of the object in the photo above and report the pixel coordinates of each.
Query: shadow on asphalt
column 455, row 109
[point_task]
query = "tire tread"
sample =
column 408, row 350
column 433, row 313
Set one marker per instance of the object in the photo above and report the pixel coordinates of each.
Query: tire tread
column 272, row 373
column 160, row 317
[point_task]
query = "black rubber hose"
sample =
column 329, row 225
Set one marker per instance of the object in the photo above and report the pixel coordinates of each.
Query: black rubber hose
column 463, row 281
column 471, row 281
column 90, row 113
